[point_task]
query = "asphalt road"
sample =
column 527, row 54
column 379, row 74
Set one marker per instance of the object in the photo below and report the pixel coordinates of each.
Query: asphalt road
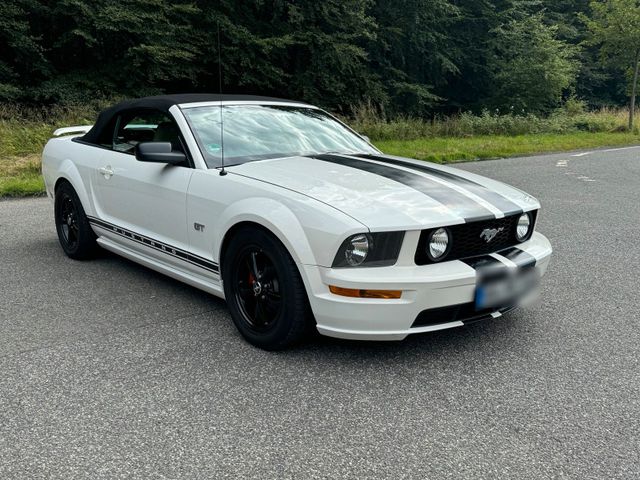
column 109, row 370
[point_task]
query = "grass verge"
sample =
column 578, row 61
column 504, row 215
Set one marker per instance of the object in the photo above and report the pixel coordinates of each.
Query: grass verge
column 453, row 149
column 20, row 166
column 20, row 176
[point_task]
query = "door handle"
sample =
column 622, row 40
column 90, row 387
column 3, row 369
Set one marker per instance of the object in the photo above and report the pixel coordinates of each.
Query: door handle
column 106, row 171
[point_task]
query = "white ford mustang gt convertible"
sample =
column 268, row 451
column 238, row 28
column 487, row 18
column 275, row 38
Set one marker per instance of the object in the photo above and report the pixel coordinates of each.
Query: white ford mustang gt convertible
column 293, row 218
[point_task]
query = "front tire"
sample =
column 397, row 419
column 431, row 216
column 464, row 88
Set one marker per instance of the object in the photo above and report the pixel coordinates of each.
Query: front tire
column 74, row 232
column 264, row 291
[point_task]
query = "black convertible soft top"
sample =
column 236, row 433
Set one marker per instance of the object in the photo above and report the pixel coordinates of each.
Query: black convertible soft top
column 163, row 103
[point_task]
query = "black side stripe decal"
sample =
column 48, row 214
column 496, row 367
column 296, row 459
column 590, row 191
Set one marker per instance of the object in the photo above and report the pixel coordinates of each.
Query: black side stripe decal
column 521, row 258
column 499, row 201
column 156, row 245
column 464, row 206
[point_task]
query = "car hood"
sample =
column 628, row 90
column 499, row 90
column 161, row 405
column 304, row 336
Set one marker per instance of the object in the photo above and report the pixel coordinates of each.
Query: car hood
column 385, row 192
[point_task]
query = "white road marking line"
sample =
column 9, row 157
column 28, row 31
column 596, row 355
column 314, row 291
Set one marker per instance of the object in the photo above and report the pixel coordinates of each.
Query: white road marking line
column 584, row 178
column 562, row 163
column 607, row 150
column 622, row 148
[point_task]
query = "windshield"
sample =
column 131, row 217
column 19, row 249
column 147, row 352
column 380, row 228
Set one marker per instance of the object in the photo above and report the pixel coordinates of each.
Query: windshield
column 258, row 132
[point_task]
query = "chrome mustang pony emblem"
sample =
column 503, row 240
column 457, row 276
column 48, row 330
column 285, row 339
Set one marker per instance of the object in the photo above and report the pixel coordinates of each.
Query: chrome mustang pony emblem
column 489, row 234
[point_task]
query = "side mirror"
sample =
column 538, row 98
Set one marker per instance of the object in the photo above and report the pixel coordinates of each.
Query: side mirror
column 365, row 138
column 159, row 152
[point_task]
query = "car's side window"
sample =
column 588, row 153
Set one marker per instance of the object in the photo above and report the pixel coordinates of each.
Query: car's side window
column 132, row 128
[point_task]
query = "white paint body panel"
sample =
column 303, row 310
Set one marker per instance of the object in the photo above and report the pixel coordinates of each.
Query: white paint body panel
column 379, row 202
column 148, row 198
column 424, row 287
column 311, row 206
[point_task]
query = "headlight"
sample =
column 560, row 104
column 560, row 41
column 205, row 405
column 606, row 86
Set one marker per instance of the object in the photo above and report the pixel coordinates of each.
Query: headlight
column 369, row 250
column 357, row 250
column 438, row 244
column 524, row 227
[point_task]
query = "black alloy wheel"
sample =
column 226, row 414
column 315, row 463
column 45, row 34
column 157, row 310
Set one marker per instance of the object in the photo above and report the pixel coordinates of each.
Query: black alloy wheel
column 257, row 289
column 69, row 221
column 264, row 290
column 74, row 231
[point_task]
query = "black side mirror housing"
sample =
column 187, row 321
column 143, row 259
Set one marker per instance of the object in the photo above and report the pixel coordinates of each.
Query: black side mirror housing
column 159, row 152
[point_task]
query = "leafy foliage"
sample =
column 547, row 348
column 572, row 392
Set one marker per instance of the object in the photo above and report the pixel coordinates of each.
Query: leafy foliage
column 403, row 57
column 531, row 66
column 615, row 27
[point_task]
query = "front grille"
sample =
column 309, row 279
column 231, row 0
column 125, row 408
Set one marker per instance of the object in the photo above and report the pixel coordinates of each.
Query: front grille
column 467, row 242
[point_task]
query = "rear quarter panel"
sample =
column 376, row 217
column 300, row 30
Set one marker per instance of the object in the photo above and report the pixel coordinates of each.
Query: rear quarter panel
column 73, row 161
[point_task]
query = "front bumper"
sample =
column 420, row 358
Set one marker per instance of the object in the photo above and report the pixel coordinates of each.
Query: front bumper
column 442, row 287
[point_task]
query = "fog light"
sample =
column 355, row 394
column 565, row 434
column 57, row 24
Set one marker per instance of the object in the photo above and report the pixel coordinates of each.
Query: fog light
column 523, row 227
column 438, row 244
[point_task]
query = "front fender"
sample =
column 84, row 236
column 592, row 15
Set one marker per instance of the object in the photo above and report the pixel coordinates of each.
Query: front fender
column 311, row 231
column 272, row 215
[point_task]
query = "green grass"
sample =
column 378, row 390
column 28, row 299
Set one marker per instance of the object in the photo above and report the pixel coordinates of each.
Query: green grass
column 21, row 186
column 19, row 139
column 20, row 176
column 453, row 149
column 23, row 133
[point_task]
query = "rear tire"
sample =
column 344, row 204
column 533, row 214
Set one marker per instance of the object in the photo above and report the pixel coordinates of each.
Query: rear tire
column 74, row 232
column 264, row 291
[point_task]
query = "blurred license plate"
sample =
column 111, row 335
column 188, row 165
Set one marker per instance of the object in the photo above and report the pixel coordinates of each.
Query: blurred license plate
column 507, row 290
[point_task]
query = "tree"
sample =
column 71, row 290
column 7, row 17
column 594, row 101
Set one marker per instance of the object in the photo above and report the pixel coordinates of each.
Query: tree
column 413, row 52
column 304, row 49
column 615, row 27
column 597, row 84
column 471, row 35
column 532, row 68
column 132, row 47
column 412, row 57
column 21, row 55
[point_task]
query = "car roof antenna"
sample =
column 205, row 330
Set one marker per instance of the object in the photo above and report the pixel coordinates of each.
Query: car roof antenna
column 222, row 170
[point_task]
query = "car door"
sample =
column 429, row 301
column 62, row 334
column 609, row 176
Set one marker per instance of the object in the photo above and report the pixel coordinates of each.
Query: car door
column 142, row 205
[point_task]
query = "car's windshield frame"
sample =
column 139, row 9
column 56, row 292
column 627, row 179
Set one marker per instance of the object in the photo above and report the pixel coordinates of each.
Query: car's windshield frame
column 213, row 162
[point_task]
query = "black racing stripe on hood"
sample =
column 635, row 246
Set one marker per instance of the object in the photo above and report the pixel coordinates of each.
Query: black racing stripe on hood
column 499, row 201
column 458, row 203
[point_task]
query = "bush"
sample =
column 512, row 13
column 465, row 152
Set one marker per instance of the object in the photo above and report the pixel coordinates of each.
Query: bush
column 25, row 129
column 571, row 118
